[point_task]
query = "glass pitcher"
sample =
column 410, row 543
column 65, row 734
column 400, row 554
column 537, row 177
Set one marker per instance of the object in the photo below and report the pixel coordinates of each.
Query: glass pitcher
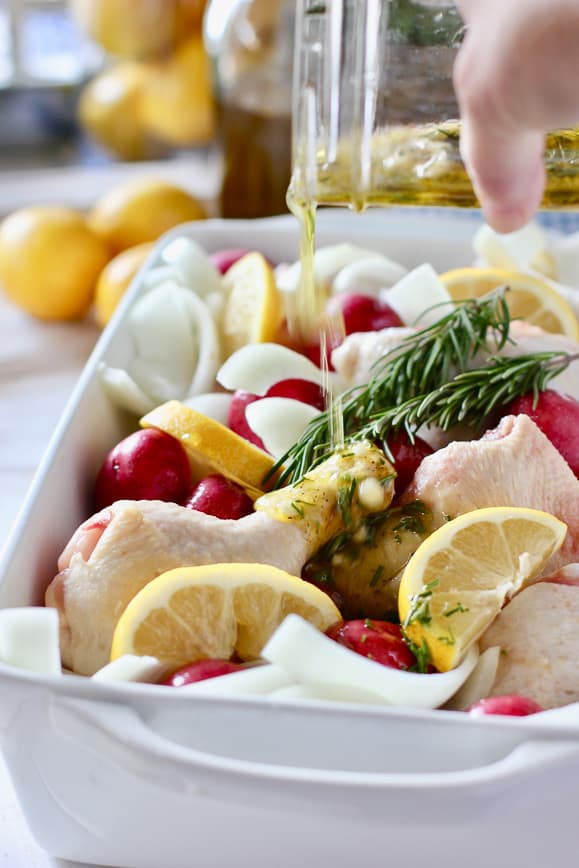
column 375, row 115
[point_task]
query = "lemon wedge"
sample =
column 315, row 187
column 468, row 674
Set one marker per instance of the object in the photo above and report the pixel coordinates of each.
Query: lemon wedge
column 253, row 309
column 211, row 446
column 459, row 578
column 216, row 611
column 529, row 298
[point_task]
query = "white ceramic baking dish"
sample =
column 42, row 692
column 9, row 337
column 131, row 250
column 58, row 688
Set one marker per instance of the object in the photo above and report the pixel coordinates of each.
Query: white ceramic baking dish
column 146, row 777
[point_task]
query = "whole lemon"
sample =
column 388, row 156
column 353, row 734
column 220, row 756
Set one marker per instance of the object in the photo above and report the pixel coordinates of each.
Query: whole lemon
column 109, row 110
column 141, row 210
column 177, row 104
column 190, row 15
column 129, row 28
column 115, row 278
column 50, row 261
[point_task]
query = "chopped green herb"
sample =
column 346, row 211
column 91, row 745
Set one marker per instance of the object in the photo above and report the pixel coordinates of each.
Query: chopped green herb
column 378, row 573
column 420, row 606
column 346, row 489
column 458, row 608
column 297, row 508
column 422, row 654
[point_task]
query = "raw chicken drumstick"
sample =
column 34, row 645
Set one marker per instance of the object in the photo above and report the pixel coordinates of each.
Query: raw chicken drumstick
column 118, row 551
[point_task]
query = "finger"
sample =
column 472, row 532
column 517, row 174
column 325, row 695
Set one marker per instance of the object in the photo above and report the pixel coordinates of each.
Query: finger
column 507, row 172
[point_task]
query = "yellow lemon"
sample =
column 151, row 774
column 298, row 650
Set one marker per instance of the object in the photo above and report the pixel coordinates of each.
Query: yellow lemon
column 253, row 309
column 457, row 581
column 129, row 28
column 528, row 298
column 50, row 261
column 177, row 103
column 216, row 611
column 115, row 278
column 211, row 447
column 140, row 211
column 190, row 15
column 109, row 110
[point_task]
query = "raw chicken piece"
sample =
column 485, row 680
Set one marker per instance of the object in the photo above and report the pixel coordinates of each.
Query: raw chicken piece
column 354, row 358
column 115, row 553
column 512, row 465
column 538, row 633
column 358, row 352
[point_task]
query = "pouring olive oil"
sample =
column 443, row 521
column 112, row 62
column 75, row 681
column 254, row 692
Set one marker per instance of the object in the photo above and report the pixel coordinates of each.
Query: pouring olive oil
column 373, row 125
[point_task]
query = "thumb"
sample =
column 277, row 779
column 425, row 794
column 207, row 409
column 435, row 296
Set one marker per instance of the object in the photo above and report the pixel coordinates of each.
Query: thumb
column 506, row 168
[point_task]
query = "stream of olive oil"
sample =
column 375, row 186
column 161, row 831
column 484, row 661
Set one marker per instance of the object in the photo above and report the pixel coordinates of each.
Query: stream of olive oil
column 311, row 318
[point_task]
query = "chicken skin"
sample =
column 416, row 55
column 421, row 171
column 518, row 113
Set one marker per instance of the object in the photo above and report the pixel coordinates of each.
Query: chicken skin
column 118, row 551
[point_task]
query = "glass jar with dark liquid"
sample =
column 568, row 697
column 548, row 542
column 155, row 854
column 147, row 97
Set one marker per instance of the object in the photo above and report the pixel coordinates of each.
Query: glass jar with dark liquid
column 251, row 44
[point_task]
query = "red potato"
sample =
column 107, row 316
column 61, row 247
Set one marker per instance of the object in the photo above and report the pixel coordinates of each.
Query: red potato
column 218, row 496
column 305, row 391
column 558, row 418
column 201, row 670
column 361, row 313
column 146, row 465
column 236, row 418
column 380, row 641
column 407, row 458
column 512, row 706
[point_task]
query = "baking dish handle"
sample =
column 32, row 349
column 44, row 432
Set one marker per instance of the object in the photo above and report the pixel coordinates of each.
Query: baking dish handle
column 119, row 734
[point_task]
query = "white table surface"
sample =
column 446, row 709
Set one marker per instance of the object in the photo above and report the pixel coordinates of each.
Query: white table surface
column 39, row 364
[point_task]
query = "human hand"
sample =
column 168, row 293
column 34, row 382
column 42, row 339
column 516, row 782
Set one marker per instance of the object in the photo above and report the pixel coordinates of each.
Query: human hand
column 516, row 76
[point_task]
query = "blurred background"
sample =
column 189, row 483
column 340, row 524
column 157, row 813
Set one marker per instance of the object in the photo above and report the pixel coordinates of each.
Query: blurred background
column 201, row 87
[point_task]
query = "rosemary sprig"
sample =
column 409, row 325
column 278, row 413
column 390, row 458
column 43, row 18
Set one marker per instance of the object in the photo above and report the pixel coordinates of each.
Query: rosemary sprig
column 420, row 364
column 425, row 380
column 471, row 396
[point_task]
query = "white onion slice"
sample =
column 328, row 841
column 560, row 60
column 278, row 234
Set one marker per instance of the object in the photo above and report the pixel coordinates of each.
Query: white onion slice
column 279, row 422
column 164, row 345
column 257, row 680
column 193, row 262
column 515, row 251
column 416, row 298
column 479, row 683
column 257, row 367
column 131, row 667
column 206, row 337
column 327, row 692
column 368, row 276
column 154, row 277
column 29, row 639
column 123, row 390
column 215, row 405
column 328, row 261
column 310, row 657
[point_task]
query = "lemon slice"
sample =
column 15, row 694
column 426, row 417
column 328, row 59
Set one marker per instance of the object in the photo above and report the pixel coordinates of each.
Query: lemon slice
column 529, row 298
column 459, row 578
column 253, row 308
column 211, row 446
column 216, row 611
